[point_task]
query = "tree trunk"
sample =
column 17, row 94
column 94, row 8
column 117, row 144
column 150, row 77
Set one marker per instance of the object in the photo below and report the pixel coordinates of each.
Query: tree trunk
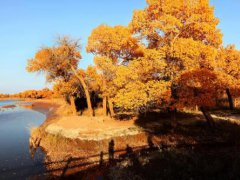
column 110, row 103
column 196, row 109
column 89, row 103
column 93, row 98
column 230, row 99
column 105, row 106
column 173, row 117
column 73, row 105
column 208, row 117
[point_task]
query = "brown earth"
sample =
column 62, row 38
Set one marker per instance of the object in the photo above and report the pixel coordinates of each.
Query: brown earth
column 75, row 143
column 82, row 138
column 8, row 106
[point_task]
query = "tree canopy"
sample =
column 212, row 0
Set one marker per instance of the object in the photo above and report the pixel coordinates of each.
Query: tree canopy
column 170, row 56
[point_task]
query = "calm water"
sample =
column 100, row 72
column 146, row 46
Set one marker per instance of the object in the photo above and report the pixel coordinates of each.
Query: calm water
column 15, row 158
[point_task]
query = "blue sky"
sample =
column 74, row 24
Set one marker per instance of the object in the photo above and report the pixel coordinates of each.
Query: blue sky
column 26, row 25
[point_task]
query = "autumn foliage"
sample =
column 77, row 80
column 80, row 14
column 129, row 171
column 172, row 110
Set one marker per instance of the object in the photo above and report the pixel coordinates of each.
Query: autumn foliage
column 170, row 56
column 32, row 94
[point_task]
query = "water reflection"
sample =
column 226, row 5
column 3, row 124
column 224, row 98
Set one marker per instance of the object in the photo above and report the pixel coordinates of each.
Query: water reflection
column 32, row 151
column 16, row 162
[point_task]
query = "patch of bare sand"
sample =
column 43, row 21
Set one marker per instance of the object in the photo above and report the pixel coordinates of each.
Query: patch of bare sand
column 52, row 108
column 46, row 106
column 60, row 122
column 92, row 128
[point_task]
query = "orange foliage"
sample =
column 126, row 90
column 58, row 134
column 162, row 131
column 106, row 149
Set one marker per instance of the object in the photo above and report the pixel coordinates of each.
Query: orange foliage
column 228, row 68
column 198, row 88
column 162, row 21
column 57, row 62
column 35, row 94
column 113, row 42
column 170, row 55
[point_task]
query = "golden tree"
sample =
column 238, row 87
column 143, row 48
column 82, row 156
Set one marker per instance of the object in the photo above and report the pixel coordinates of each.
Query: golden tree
column 115, row 43
column 228, row 69
column 69, row 90
column 199, row 88
column 163, row 21
column 186, row 31
column 111, row 46
column 140, row 84
column 60, row 62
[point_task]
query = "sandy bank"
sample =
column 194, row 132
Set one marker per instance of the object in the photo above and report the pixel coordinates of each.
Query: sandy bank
column 81, row 137
column 60, row 122
column 43, row 106
column 8, row 106
column 95, row 128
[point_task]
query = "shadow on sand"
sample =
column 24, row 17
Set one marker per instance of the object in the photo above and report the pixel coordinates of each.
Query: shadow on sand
column 189, row 151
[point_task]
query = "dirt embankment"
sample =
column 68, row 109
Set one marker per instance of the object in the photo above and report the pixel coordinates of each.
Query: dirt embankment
column 76, row 143
column 60, row 122
column 8, row 106
column 82, row 138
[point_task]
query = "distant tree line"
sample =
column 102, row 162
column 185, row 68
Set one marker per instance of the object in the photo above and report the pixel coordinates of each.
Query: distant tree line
column 33, row 94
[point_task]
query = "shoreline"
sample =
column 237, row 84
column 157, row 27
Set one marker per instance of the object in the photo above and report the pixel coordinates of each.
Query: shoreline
column 72, row 141
column 81, row 127
column 84, row 153
column 64, row 124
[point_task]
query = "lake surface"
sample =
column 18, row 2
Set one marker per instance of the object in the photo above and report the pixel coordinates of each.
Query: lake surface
column 15, row 157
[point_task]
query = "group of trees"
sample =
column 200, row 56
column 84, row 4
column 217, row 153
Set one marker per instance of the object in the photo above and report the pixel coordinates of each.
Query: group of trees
column 170, row 56
column 4, row 95
column 33, row 94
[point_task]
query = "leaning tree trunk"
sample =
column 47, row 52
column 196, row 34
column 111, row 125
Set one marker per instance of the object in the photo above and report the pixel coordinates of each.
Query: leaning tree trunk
column 105, row 105
column 73, row 105
column 85, row 88
column 110, row 103
column 230, row 99
column 208, row 117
